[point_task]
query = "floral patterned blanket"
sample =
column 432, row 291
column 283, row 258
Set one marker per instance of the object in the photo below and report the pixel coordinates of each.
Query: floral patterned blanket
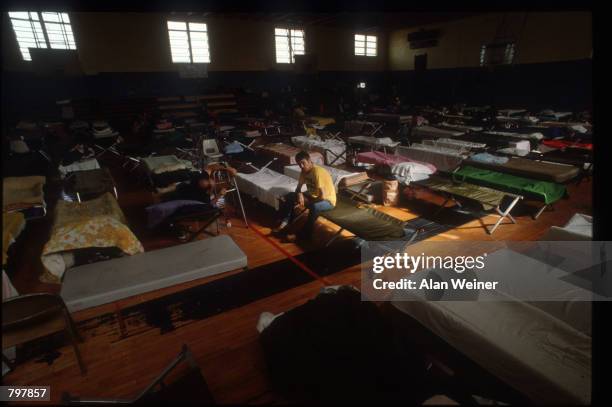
column 96, row 223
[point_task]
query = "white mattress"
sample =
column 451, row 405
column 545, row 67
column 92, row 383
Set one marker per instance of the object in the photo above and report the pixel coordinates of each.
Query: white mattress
column 266, row 186
column 99, row 283
column 337, row 175
column 435, row 132
column 337, row 147
column 542, row 349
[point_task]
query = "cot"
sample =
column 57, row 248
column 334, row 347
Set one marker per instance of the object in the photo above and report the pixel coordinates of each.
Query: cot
column 365, row 222
column 404, row 168
column 430, row 131
column 561, row 144
column 546, row 192
column 540, row 170
column 392, row 118
column 100, row 283
column 285, row 154
column 511, row 112
column 534, row 138
column 454, row 144
column 24, row 194
column 459, row 127
column 266, row 185
column 444, row 159
column 373, row 143
column 83, row 165
column 94, row 224
column 90, row 183
column 334, row 150
column 359, row 127
column 540, row 348
column 488, row 198
column 165, row 170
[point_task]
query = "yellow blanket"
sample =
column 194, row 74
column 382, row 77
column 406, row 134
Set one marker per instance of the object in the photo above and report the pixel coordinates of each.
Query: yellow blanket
column 12, row 225
column 96, row 223
column 322, row 121
column 22, row 192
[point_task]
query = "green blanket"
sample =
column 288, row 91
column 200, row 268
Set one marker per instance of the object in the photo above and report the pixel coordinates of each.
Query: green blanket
column 547, row 192
column 488, row 198
column 366, row 223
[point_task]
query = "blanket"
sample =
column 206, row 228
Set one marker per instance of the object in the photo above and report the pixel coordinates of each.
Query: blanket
column 22, row 192
column 547, row 192
column 165, row 163
column 96, row 223
column 13, row 224
column 92, row 182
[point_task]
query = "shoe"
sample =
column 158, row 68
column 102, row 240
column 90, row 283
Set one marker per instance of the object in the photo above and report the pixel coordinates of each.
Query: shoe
column 280, row 227
column 292, row 238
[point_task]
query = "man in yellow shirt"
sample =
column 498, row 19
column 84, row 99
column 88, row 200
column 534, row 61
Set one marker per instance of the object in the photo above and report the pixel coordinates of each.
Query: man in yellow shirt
column 320, row 195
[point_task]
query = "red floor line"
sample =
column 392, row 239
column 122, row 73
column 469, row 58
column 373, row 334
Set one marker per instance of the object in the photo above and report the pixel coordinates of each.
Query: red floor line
column 289, row 256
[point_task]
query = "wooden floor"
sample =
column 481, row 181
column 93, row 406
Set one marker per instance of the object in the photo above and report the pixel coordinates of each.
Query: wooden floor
column 225, row 345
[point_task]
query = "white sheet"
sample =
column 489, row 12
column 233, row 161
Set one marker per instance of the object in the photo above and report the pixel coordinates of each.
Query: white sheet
column 85, row 165
column 266, row 186
column 337, row 147
column 408, row 172
column 435, row 132
column 543, row 349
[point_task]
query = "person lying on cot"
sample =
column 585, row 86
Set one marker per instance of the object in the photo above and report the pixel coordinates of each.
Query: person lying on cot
column 201, row 188
column 195, row 197
column 320, row 196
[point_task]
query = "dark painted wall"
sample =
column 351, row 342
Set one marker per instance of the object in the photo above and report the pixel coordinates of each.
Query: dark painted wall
column 559, row 85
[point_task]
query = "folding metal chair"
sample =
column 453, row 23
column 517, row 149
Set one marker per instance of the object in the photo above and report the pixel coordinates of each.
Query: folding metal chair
column 161, row 391
column 210, row 151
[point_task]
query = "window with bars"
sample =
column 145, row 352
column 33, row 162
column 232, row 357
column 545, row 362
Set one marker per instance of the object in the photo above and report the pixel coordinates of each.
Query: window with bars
column 365, row 45
column 289, row 42
column 28, row 27
column 497, row 54
column 188, row 42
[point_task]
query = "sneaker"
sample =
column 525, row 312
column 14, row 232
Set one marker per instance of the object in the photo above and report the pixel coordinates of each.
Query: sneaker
column 291, row 238
column 280, row 227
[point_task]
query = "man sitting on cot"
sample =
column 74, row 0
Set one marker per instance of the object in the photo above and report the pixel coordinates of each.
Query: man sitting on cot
column 320, row 196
